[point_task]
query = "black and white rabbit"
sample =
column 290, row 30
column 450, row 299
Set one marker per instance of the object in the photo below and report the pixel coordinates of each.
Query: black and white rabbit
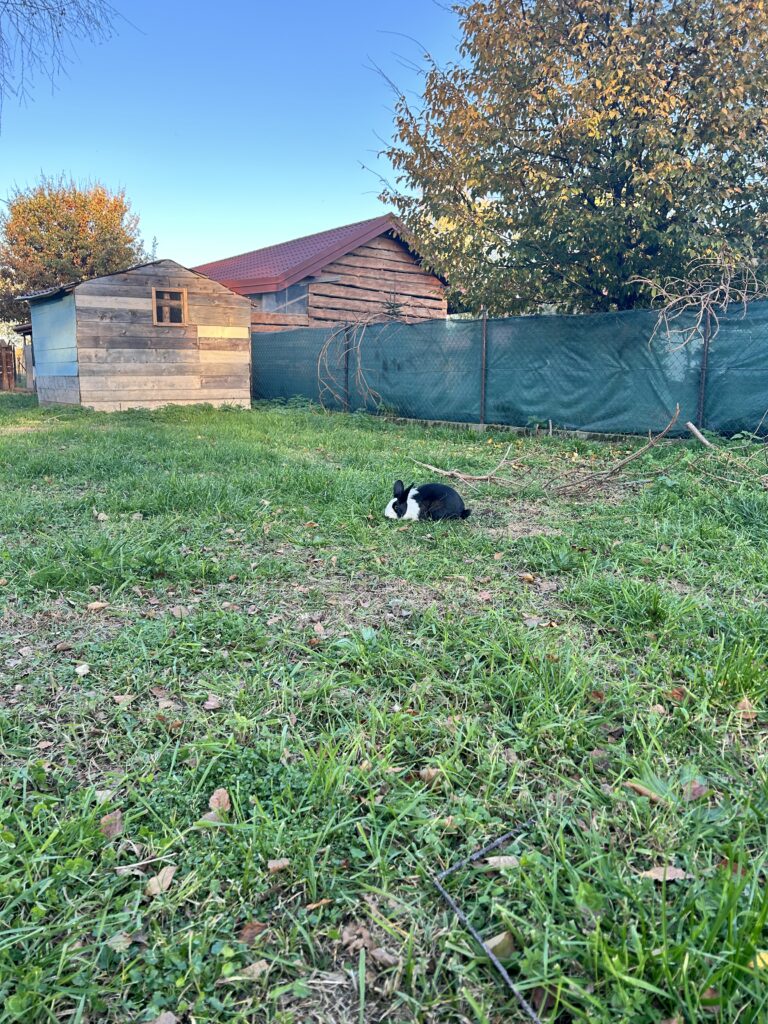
column 427, row 501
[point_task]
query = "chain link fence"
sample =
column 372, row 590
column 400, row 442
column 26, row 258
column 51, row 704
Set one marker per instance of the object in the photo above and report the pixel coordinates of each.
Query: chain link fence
column 602, row 372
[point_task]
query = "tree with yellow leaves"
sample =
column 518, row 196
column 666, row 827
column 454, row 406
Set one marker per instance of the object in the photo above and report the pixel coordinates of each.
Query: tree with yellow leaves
column 579, row 150
column 59, row 231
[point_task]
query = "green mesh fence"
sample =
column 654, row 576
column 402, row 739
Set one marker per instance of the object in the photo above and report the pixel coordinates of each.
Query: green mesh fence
column 595, row 373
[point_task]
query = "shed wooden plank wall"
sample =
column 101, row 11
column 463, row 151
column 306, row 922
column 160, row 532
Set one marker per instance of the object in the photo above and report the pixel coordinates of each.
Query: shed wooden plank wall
column 126, row 361
column 361, row 283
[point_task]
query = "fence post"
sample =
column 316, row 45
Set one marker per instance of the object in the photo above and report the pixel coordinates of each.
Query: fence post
column 703, row 373
column 483, row 365
column 346, row 369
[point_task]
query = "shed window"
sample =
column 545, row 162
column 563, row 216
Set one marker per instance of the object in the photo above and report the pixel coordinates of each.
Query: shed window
column 170, row 307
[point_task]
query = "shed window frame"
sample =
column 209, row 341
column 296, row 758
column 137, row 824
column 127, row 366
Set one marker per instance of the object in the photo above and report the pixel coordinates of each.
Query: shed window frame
column 161, row 300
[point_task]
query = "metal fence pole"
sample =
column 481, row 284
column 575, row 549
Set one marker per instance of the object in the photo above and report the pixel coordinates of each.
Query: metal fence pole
column 703, row 373
column 346, row 369
column 483, row 366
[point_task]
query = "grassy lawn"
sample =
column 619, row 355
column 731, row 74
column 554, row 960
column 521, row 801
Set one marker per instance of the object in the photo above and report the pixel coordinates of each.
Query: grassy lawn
column 194, row 601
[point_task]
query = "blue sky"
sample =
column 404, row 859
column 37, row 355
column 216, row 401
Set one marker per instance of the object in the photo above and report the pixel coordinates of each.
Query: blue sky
column 230, row 125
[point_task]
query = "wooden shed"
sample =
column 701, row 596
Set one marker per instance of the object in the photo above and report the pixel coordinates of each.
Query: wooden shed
column 336, row 276
column 142, row 338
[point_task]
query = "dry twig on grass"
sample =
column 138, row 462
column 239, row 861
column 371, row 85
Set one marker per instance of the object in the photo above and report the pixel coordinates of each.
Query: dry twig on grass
column 605, row 476
column 560, row 486
column 730, row 460
column 470, row 479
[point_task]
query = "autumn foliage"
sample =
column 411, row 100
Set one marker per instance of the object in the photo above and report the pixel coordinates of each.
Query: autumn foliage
column 59, row 231
column 577, row 145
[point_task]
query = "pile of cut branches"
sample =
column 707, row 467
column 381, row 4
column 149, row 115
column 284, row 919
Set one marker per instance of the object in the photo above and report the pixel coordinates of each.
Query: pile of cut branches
column 514, row 474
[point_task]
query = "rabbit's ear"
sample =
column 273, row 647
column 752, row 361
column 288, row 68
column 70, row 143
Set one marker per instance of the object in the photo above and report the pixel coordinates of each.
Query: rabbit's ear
column 409, row 488
column 398, row 490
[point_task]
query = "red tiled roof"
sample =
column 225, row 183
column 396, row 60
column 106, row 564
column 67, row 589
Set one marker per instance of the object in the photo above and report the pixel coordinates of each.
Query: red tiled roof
column 278, row 266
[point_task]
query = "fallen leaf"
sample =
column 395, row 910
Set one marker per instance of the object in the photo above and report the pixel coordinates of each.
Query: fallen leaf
column 101, row 517
column 165, row 704
column 219, row 800
column 319, row 628
column 44, row 744
column 355, row 937
column 484, row 595
column 159, row 691
column 320, row 903
column 746, row 709
column 636, row 787
column 666, row 872
column 526, row 577
column 250, row 930
column 63, row 645
column 103, row 795
column 547, row 586
column 760, row 960
column 213, row 703
column 120, row 941
column 82, row 670
column 694, row 790
column 501, row 945
column 597, row 695
column 531, row 621
column 166, row 1018
column 677, row 694
column 273, row 866
column 733, row 866
column 97, row 606
column 178, row 611
column 112, row 824
column 541, row 999
column 657, row 709
column 429, row 775
column 3, row 581
column 123, row 698
column 310, row 524
column 384, row 958
column 250, row 973
column 161, row 882
column 497, row 863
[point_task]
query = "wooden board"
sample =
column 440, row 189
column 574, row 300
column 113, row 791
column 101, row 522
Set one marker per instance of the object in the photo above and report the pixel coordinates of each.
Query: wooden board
column 243, row 402
column 376, row 296
column 223, row 345
column 420, row 285
column 318, row 302
column 259, row 316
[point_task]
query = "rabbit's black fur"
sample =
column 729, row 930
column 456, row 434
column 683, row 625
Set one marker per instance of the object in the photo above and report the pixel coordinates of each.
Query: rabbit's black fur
column 427, row 501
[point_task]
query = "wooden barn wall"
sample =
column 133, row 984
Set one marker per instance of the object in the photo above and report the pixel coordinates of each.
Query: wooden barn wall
column 365, row 280
column 126, row 361
column 362, row 283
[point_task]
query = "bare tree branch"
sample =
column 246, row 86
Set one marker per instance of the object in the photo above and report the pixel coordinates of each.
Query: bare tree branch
column 695, row 303
column 37, row 37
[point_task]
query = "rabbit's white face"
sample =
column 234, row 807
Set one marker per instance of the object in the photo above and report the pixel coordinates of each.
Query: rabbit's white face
column 408, row 509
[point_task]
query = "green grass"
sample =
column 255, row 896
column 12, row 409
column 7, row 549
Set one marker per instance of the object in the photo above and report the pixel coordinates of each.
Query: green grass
column 384, row 709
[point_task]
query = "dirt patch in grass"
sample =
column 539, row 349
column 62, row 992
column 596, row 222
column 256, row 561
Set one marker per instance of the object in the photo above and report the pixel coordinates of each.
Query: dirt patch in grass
column 520, row 519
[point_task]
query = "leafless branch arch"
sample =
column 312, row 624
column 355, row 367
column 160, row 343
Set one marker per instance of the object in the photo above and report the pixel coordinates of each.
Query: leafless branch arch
column 37, row 37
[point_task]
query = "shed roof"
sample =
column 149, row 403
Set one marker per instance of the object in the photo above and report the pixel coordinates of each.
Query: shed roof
column 278, row 266
column 69, row 286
